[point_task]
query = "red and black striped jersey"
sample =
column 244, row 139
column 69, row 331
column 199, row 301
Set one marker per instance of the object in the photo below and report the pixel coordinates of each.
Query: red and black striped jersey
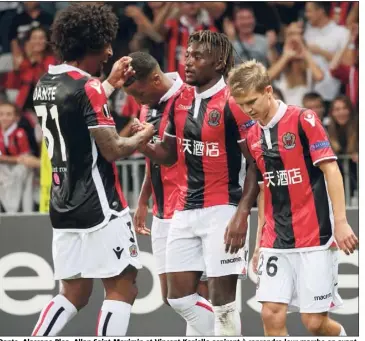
column 298, row 213
column 163, row 179
column 86, row 191
column 208, row 128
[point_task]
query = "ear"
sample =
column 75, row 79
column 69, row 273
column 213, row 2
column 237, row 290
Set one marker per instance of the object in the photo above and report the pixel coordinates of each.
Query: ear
column 155, row 79
column 219, row 65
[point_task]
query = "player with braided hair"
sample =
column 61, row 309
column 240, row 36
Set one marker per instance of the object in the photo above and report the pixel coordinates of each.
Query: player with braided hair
column 205, row 136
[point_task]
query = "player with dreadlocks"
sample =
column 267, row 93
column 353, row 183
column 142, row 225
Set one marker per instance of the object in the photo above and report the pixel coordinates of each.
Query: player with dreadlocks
column 205, row 136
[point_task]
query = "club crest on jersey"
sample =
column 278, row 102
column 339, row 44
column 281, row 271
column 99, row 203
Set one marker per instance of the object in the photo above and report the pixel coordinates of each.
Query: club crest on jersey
column 289, row 140
column 133, row 250
column 214, row 117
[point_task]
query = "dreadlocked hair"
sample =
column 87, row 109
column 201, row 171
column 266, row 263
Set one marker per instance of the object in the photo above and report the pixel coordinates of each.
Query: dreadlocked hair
column 219, row 45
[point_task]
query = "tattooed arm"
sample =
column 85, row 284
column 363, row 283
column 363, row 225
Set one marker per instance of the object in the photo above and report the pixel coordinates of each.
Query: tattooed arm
column 113, row 147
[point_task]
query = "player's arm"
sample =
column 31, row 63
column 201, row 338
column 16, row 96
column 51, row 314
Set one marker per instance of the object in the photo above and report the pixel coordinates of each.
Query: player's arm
column 114, row 147
column 323, row 156
column 9, row 159
column 164, row 152
column 344, row 235
column 260, row 225
column 140, row 214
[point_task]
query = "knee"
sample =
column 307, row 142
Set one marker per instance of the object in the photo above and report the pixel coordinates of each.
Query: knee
column 77, row 295
column 273, row 315
column 165, row 300
column 313, row 322
column 182, row 304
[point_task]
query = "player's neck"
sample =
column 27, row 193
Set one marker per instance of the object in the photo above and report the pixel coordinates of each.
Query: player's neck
column 214, row 81
column 79, row 65
column 167, row 83
column 272, row 112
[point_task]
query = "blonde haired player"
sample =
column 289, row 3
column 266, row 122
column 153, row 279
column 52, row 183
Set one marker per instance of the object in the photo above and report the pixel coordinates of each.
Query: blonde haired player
column 296, row 241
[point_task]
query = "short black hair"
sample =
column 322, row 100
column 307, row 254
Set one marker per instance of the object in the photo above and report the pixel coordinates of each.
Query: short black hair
column 219, row 45
column 311, row 96
column 81, row 29
column 326, row 6
column 143, row 64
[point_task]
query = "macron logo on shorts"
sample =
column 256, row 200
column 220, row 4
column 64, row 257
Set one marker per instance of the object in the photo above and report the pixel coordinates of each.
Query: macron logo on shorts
column 118, row 252
column 322, row 297
column 231, row 260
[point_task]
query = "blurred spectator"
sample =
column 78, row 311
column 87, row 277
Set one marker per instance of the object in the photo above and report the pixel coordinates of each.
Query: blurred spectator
column 32, row 16
column 246, row 43
column 295, row 72
column 278, row 95
column 148, row 20
column 32, row 66
column 288, row 11
column 177, row 30
column 314, row 101
column 343, row 135
column 15, row 178
column 348, row 74
column 324, row 37
column 340, row 11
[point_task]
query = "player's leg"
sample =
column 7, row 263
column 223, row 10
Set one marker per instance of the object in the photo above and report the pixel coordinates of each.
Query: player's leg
column 184, row 267
column 112, row 254
column 222, row 269
column 317, row 298
column 75, row 291
column 275, row 290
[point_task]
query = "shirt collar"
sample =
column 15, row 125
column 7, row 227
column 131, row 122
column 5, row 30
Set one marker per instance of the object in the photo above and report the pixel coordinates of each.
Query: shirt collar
column 175, row 87
column 212, row 91
column 8, row 132
column 278, row 116
column 63, row 68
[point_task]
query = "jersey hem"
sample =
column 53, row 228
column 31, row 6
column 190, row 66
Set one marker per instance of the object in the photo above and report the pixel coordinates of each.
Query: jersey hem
column 98, row 226
column 302, row 249
column 324, row 158
column 101, row 126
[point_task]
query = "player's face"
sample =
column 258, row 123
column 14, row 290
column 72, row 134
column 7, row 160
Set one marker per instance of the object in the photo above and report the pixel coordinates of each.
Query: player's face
column 200, row 65
column 340, row 112
column 316, row 105
column 190, row 9
column 147, row 92
column 7, row 116
column 256, row 104
column 97, row 61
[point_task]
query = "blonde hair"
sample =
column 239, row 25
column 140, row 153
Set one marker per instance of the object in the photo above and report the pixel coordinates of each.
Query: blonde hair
column 248, row 76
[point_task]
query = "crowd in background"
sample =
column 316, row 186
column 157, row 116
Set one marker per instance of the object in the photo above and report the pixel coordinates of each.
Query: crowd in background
column 310, row 50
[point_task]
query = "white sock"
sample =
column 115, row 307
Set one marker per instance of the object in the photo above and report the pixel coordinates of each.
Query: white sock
column 227, row 320
column 54, row 316
column 196, row 311
column 113, row 318
column 342, row 331
column 191, row 331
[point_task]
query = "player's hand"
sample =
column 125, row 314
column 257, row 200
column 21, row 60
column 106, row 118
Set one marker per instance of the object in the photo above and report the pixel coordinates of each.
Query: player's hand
column 147, row 132
column 136, row 126
column 345, row 237
column 139, row 220
column 121, row 71
column 255, row 259
column 235, row 235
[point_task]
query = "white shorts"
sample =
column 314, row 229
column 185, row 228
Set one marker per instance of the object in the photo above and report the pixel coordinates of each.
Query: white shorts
column 196, row 243
column 306, row 281
column 159, row 232
column 103, row 253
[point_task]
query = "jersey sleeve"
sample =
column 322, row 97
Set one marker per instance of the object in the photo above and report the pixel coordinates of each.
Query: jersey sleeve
column 94, row 105
column 318, row 143
column 241, row 120
column 22, row 141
